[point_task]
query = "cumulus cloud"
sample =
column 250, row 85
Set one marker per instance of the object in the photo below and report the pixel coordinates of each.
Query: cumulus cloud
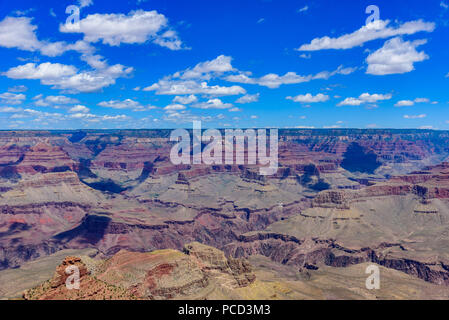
column 19, row 88
column 98, row 118
column 417, row 116
column 136, row 27
column 173, row 87
column 184, row 116
column 85, row 3
column 309, row 98
column 44, row 71
column 185, row 99
column 408, row 103
column 125, row 104
column 248, row 98
column 396, row 56
column 212, row 104
column 12, row 98
column 404, row 103
column 54, row 100
column 175, row 106
column 378, row 29
column 422, row 100
column 193, row 81
column 19, row 33
column 10, row 109
column 79, row 109
column 207, row 69
column 364, row 98
column 67, row 77
column 273, row 80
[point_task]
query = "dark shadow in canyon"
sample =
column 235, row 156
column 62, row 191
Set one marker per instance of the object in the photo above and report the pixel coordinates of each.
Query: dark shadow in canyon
column 91, row 230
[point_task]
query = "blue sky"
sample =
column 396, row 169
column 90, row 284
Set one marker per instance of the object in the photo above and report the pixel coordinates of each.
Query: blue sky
column 255, row 63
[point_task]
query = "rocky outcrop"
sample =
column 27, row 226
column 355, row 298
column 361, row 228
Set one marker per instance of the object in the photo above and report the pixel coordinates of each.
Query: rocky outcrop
column 165, row 274
column 86, row 287
column 62, row 272
column 43, row 157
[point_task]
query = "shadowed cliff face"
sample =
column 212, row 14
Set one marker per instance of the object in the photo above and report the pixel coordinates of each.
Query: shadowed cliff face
column 108, row 186
column 90, row 231
column 339, row 199
column 357, row 159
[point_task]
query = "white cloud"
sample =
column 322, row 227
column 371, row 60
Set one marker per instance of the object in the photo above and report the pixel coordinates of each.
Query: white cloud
column 53, row 49
column 125, row 104
column 235, row 109
column 213, row 104
column 19, row 32
column 248, row 98
column 12, row 98
column 171, row 107
column 422, row 100
column 9, row 109
column 116, row 104
column 173, row 87
column 135, row 27
column 53, row 100
column 254, row 117
column 375, row 30
column 208, row 69
column 85, row 3
column 396, row 56
column 79, row 109
column 273, row 80
column 407, row 103
column 305, row 8
column 404, row 103
column 185, row 99
column 115, row 117
column 194, row 80
column 309, row 98
column 66, row 77
column 418, row 116
column 95, row 61
column 98, row 118
column 444, row 5
column 19, row 88
column 184, row 116
column 364, row 98
column 44, row 71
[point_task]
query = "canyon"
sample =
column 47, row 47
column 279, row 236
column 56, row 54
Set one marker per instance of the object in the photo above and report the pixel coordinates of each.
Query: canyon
column 112, row 202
